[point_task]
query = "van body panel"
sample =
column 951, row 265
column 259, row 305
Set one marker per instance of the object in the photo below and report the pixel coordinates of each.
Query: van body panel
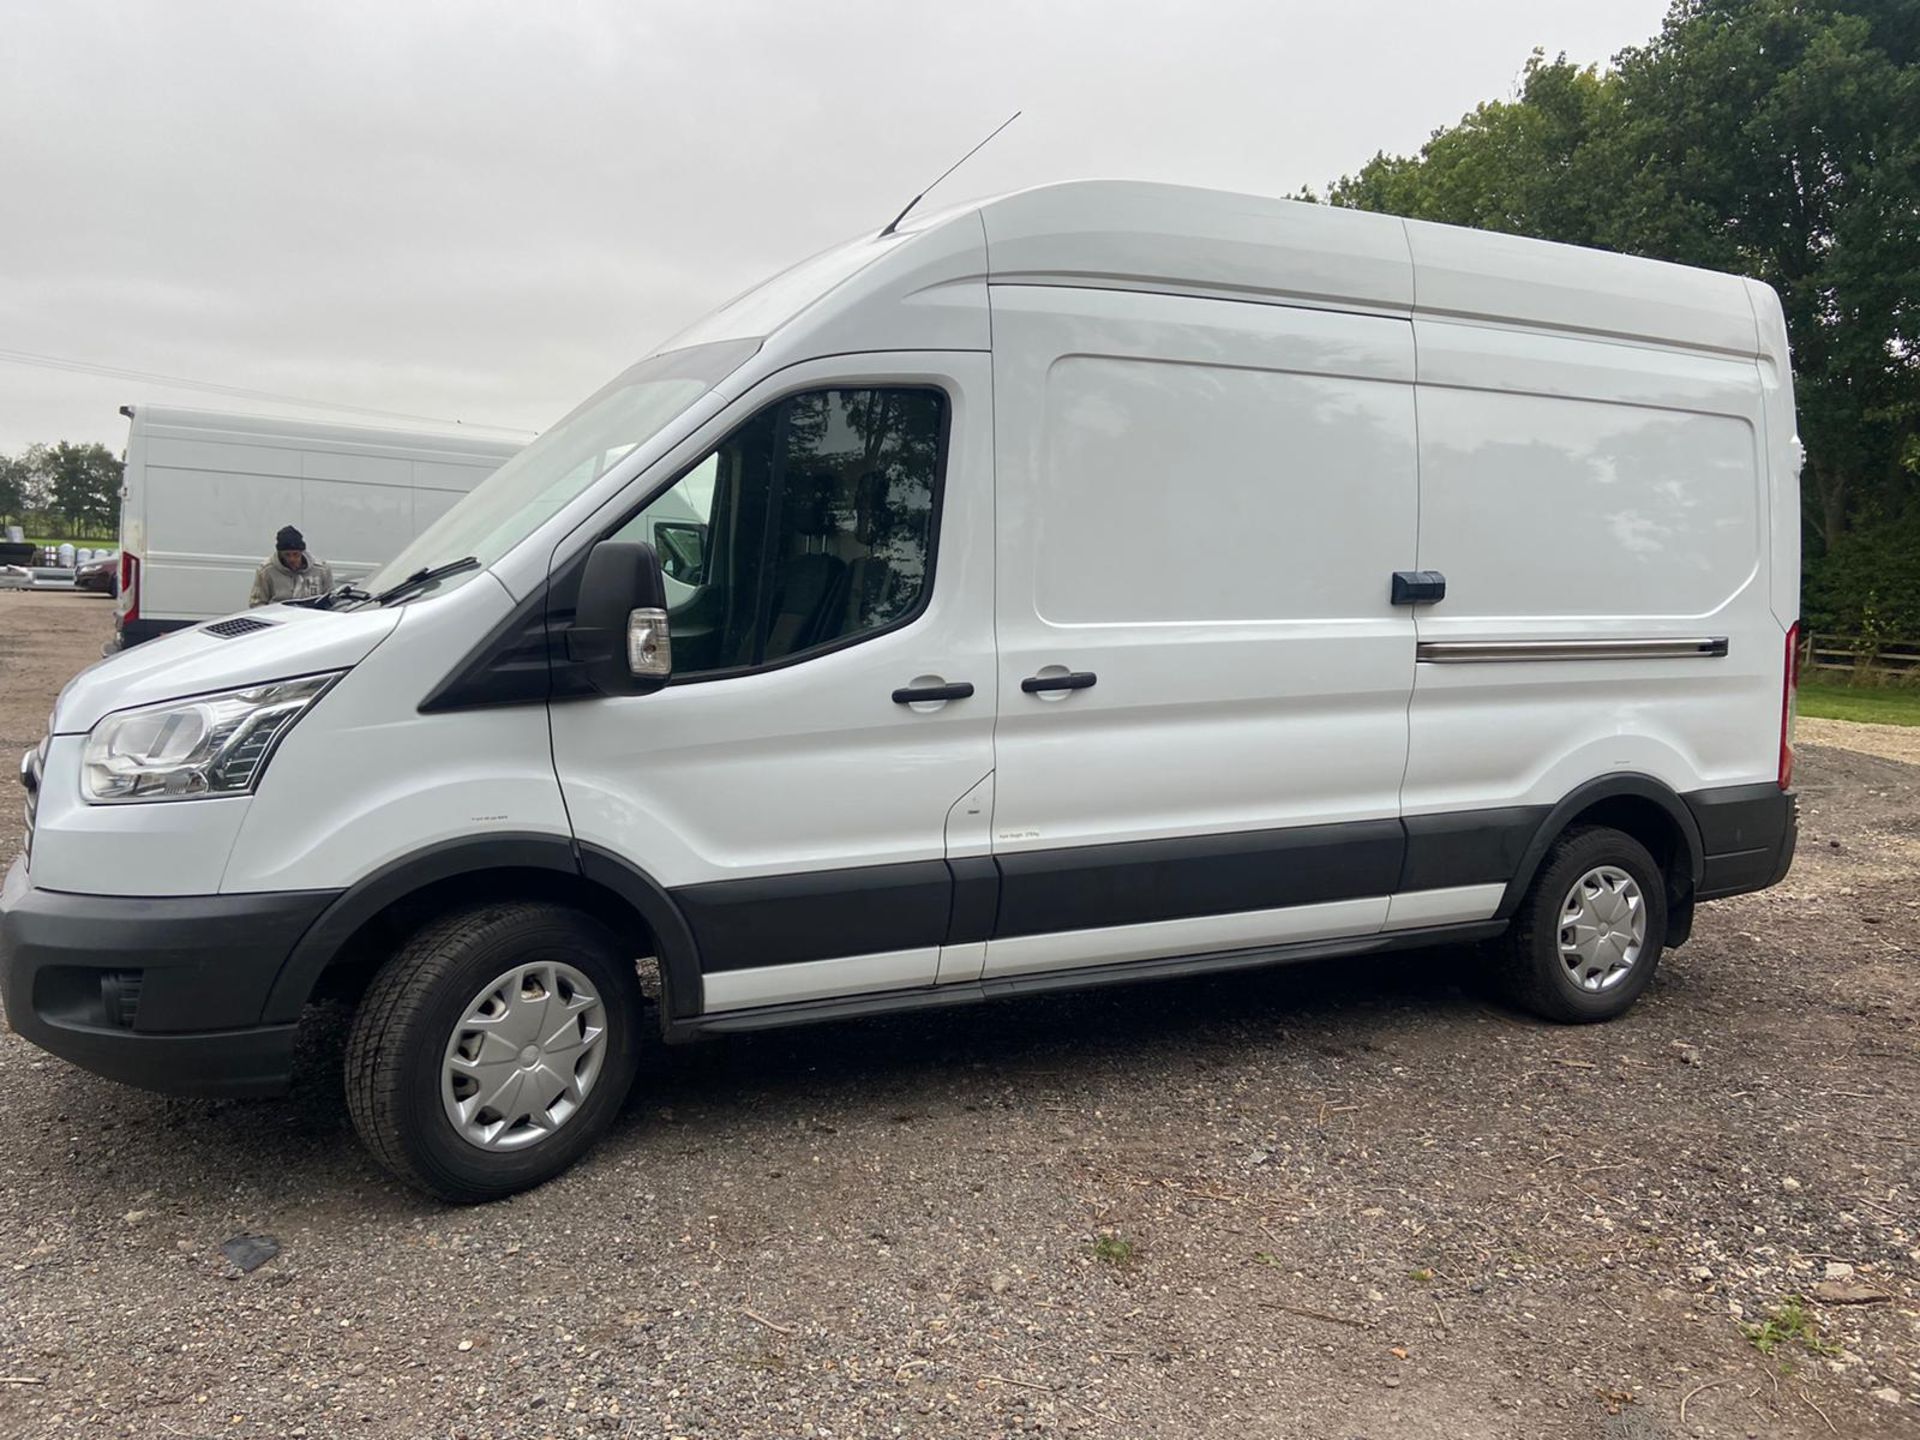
column 152, row 849
column 205, row 493
column 1784, row 453
column 1535, row 364
column 1607, row 510
column 976, row 885
column 365, row 779
column 835, row 843
column 1501, row 279
column 291, row 640
column 1174, row 239
column 1150, row 881
column 1457, row 904
column 1194, row 935
column 818, row 980
column 811, row 915
column 774, row 304
column 922, row 290
column 1201, row 503
column 1576, row 490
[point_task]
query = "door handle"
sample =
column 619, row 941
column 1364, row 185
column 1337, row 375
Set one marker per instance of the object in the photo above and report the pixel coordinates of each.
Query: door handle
column 1077, row 680
column 925, row 694
column 1419, row 587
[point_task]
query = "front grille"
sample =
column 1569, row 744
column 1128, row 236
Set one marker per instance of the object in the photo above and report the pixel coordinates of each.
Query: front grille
column 239, row 625
column 32, row 764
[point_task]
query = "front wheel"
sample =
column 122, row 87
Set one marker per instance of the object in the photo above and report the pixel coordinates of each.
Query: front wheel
column 493, row 1049
column 1588, row 935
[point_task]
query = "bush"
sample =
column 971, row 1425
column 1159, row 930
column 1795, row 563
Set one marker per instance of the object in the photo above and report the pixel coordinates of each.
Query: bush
column 1867, row 584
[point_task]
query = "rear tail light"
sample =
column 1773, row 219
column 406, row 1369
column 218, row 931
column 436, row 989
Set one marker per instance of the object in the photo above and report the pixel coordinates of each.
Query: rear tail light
column 1789, row 696
column 129, row 586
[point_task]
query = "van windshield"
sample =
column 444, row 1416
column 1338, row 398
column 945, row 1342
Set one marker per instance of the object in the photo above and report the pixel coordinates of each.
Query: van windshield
column 529, row 489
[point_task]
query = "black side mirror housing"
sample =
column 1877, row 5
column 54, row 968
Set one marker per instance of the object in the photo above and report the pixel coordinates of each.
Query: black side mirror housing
column 619, row 633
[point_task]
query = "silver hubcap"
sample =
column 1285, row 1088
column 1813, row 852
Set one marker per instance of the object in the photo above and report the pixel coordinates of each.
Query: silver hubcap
column 1603, row 928
column 524, row 1056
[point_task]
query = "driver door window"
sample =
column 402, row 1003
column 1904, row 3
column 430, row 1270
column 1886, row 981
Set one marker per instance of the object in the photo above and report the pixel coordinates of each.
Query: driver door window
column 810, row 527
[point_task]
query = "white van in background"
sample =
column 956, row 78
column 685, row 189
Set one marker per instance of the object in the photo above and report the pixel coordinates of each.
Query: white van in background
column 205, row 494
column 1096, row 584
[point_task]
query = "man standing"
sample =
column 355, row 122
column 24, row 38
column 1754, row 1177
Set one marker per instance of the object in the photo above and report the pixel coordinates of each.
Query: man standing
column 291, row 574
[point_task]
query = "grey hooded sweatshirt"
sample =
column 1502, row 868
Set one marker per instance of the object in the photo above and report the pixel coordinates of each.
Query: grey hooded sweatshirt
column 274, row 582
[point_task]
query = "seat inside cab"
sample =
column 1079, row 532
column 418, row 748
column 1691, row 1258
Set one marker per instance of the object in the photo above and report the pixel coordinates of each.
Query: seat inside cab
column 847, row 551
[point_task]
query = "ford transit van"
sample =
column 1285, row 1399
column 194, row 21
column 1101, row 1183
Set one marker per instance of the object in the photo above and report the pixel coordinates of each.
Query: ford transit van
column 1106, row 582
column 205, row 493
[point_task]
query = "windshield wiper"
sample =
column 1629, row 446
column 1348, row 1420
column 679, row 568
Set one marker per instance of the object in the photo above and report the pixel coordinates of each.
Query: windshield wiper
column 425, row 577
column 328, row 599
column 335, row 596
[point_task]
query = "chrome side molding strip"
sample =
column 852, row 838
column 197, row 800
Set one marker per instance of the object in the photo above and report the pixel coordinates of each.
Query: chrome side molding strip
column 1472, row 652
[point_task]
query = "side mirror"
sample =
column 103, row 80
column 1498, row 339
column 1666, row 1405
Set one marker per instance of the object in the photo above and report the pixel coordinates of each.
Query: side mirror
column 619, row 629
column 683, row 550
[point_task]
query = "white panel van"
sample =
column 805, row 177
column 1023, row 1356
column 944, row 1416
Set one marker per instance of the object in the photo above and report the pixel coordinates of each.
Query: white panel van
column 205, row 493
column 1101, row 583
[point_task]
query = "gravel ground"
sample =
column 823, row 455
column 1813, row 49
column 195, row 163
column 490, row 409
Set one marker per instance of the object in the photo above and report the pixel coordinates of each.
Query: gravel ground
column 1335, row 1201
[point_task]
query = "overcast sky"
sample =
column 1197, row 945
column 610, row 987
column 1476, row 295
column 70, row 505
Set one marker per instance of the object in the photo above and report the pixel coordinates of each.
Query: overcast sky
column 480, row 211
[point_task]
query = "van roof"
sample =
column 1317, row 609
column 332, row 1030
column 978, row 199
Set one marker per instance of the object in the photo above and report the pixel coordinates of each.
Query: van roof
column 265, row 429
column 1149, row 236
column 1176, row 239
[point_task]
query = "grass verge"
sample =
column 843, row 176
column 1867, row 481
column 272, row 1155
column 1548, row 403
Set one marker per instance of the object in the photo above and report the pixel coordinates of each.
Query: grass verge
column 1866, row 705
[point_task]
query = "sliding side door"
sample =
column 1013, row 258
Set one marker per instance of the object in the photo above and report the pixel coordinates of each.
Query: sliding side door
column 1203, row 684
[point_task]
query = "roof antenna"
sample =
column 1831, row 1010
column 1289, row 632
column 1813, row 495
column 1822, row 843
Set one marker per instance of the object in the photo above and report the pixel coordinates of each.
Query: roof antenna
column 895, row 225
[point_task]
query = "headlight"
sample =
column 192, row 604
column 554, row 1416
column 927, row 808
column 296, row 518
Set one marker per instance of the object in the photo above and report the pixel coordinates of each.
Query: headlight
column 186, row 749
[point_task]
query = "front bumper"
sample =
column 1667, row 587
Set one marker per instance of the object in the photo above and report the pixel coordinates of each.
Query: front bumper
column 163, row 993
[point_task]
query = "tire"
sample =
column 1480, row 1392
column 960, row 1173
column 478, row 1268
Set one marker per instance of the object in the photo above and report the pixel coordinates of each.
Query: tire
column 1529, row 963
column 400, row 1060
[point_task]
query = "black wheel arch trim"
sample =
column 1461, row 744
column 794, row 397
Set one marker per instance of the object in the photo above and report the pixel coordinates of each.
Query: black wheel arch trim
column 679, row 957
column 320, row 946
column 1627, row 785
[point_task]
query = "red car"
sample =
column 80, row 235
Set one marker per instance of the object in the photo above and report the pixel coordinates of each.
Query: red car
column 101, row 574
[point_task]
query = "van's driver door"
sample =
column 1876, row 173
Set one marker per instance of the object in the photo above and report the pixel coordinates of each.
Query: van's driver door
column 827, row 548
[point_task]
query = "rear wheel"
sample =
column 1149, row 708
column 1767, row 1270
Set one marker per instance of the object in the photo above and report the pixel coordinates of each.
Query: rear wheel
column 1588, row 935
column 493, row 1049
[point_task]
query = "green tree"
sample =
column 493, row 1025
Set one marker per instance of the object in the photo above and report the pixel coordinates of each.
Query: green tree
column 1788, row 140
column 83, row 485
column 1867, row 584
column 15, row 479
column 1774, row 138
column 1543, row 164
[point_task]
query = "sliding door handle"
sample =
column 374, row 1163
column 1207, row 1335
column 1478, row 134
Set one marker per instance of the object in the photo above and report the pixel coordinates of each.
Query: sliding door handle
column 1419, row 587
column 927, row 694
column 1073, row 680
